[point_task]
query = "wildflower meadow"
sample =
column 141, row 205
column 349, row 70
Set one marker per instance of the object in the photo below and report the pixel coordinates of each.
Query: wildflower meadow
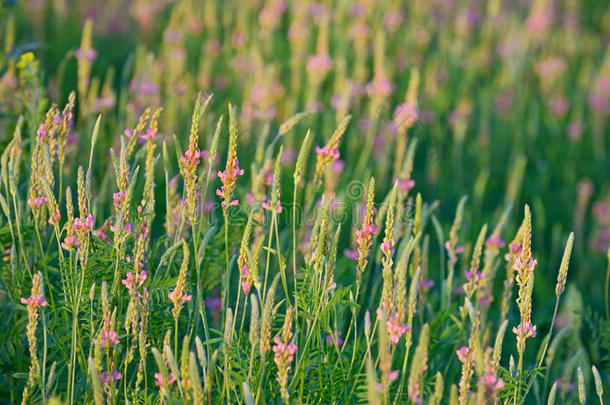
column 304, row 202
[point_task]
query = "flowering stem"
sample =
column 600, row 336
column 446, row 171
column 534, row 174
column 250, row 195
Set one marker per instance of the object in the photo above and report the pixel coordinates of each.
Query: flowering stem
column 76, row 305
column 200, row 302
column 546, row 346
column 176, row 335
column 519, row 374
column 607, row 289
column 303, row 356
column 250, row 363
column 404, row 364
column 260, row 382
column 44, row 358
column 46, row 271
column 227, row 273
column 364, row 359
column 294, row 253
column 237, row 309
column 449, row 284
column 20, row 236
column 282, row 266
column 268, row 257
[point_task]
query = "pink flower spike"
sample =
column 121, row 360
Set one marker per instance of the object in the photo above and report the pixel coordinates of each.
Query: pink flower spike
column 463, row 354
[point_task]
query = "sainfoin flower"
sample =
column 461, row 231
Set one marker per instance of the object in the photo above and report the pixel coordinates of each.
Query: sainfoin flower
column 178, row 296
column 37, row 202
column 35, row 301
column 245, row 284
column 405, row 114
column 364, row 237
column 134, row 280
column 268, row 205
column 327, row 152
column 284, row 351
column 190, row 161
column 318, row 66
column 489, row 380
column 228, row 177
column 107, row 379
column 495, row 242
column 395, row 329
column 159, row 379
column 86, row 54
column 524, row 266
column 453, row 252
column 330, row 339
column 463, row 354
column 326, row 155
column 84, row 224
column 405, row 185
column 524, row 331
column 70, row 242
column 107, row 336
column 387, row 302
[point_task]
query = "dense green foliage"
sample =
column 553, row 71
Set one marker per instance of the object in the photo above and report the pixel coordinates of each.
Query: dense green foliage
column 307, row 202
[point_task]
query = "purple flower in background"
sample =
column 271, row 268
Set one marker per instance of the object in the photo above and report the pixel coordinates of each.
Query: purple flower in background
column 575, row 130
column 86, row 54
column 319, row 65
column 559, row 105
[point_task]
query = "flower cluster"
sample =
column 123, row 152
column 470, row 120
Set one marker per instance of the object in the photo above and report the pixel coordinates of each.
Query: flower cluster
column 107, row 336
column 329, row 153
column 243, row 260
column 465, row 356
column 65, row 127
column 318, row 66
column 489, row 381
column 134, row 280
column 44, row 150
column 33, row 303
column 284, row 351
column 178, row 295
column 395, row 329
column 228, row 177
column 387, row 251
column 190, row 161
column 453, row 251
column 110, row 378
column 159, row 379
column 524, row 266
column 364, row 235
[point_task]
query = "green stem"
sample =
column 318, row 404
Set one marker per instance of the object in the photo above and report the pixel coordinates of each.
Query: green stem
column 279, row 256
column 225, row 297
column 176, row 335
column 44, row 358
column 268, row 258
column 546, row 346
column 260, row 382
column 294, row 252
